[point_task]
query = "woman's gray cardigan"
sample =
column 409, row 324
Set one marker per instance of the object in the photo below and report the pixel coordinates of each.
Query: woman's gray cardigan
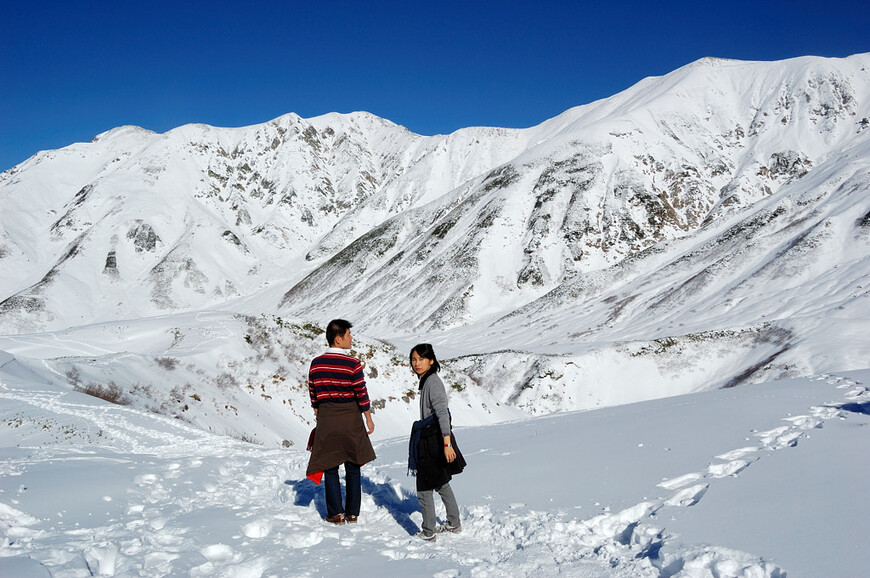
column 433, row 399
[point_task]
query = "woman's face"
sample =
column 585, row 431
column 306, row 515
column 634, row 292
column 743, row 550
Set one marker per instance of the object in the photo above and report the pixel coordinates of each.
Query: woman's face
column 420, row 365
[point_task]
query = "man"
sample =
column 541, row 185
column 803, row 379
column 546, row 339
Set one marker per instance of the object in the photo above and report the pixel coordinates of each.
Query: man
column 337, row 388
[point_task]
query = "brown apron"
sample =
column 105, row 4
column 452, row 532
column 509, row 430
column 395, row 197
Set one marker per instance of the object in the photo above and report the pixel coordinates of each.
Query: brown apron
column 340, row 437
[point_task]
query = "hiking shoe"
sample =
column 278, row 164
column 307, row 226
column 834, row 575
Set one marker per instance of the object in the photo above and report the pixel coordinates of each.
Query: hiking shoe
column 425, row 536
column 448, row 528
column 337, row 519
column 351, row 519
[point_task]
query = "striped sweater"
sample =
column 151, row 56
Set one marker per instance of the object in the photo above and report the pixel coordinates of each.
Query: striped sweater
column 338, row 378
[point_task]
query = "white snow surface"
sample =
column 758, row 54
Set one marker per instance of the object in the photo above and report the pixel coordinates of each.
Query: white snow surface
column 758, row 481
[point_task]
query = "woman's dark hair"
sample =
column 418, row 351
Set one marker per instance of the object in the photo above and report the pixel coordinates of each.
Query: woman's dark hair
column 425, row 351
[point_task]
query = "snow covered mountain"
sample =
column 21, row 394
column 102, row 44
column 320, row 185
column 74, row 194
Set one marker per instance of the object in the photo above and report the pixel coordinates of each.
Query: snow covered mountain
column 138, row 223
column 699, row 231
column 702, row 229
column 670, row 158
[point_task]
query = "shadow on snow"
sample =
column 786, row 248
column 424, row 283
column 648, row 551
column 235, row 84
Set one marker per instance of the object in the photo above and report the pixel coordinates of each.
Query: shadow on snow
column 386, row 496
column 856, row 407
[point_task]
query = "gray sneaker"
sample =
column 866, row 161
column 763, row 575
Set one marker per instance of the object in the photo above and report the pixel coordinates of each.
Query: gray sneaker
column 424, row 536
column 448, row 528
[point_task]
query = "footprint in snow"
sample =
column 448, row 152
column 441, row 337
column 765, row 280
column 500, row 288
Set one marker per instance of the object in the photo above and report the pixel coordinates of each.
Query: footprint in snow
column 779, row 437
column 218, row 553
column 304, row 539
column 145, row 479
column 727, row 469
column 806, row 422
column 257, row 529
column 856, row 393
column 680, row 481
column 738, row 453
column 688, row 497
column 102, row 560
column 842, row 383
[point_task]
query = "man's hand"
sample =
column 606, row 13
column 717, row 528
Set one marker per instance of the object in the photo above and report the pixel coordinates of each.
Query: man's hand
column 370, row 424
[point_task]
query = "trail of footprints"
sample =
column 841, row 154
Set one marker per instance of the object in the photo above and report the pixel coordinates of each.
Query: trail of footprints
column 534, row 542
column 688, row 489
column 629, row 538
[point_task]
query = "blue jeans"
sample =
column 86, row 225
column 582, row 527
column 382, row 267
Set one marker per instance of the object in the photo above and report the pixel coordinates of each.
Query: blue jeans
column 353, row 492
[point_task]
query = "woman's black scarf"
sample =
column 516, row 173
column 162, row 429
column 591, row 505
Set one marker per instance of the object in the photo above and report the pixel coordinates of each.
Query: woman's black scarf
column 424, row 376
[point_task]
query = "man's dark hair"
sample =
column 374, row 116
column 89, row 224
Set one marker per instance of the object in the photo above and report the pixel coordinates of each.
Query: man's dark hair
column 336, row 328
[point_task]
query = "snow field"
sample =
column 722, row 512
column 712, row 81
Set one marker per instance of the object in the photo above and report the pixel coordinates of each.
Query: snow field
column 150, row 496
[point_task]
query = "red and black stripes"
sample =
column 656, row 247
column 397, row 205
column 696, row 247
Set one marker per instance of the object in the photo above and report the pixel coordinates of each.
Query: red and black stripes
column 335, row 377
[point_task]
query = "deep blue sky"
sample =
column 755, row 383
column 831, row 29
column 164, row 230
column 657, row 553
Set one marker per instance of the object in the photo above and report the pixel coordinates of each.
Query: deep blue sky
column 70, row 70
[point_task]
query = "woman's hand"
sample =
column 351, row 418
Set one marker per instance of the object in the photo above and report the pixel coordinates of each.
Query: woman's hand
column 449, row 452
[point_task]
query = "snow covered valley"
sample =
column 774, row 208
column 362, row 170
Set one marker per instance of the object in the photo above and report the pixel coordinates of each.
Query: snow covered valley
column 759, row 481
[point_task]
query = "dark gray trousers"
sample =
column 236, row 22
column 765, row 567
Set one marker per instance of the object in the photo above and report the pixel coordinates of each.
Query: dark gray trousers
column 427, row 507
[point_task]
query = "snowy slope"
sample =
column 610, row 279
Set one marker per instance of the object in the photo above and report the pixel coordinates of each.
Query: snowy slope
column 240, row 376
column 754, row 482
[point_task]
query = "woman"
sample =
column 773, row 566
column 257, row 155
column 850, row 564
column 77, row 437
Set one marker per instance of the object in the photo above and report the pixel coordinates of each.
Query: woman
column 434, row 455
